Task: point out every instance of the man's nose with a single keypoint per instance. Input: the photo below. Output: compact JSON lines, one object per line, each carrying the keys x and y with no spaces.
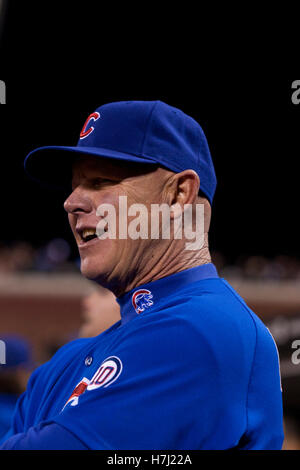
{"x":77,"y":203}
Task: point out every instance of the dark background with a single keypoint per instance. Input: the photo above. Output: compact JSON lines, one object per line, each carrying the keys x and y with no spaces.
{"x":56,"y":77}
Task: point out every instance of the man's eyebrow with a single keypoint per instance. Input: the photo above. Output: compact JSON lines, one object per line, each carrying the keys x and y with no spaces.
{"x":103,"y":177}
{"x":76,"y":179}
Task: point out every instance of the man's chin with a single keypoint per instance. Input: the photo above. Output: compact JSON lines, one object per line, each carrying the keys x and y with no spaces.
{"x":92,"y":272}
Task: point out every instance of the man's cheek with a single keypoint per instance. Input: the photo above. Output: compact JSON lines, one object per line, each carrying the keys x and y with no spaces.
{"x":108,"y":211}
{"x":109,"y":197}
{"x":135,"y":194}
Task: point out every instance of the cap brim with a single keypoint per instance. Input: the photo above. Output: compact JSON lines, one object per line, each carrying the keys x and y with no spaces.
{"x":52,"y":165}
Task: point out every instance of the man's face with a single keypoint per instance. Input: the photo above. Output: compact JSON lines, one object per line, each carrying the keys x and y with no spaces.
{"x":98,"y":181}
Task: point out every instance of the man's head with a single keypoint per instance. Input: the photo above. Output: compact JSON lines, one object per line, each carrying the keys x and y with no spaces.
{"x":136,"y":155}
{"x":100,"y":182}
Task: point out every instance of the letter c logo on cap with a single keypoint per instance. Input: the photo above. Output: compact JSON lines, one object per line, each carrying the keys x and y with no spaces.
{"x":88,"y":130}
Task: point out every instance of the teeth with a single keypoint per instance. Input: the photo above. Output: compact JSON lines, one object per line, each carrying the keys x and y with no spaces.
{"x":88,"y":232}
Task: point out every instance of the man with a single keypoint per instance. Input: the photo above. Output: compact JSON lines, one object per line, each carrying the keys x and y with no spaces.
{"x":189,"y":365}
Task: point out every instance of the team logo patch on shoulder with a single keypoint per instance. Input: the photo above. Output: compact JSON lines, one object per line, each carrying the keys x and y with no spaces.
{"x":107,"y":373}
{"x":141,"y":299}
{"x":78,"y":390}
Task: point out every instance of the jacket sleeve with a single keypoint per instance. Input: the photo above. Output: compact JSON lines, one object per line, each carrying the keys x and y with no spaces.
{"x":45,"y":436}
{"x":164,"y":397}
{"x":169,"y":394}
{"x":18,"y":422}
{"x":264,"y":401}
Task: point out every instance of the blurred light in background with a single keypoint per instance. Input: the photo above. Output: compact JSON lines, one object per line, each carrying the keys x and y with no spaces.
{"x":53,"y":256}
{"x":21,"y":256}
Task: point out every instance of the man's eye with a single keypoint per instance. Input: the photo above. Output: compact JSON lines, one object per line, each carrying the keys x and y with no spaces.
{"x":97,"y":182}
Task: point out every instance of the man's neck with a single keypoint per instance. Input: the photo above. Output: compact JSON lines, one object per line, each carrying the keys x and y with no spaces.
{"x":170,"y":262}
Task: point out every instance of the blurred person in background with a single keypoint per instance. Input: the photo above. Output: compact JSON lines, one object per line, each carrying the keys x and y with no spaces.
{"x":100,"y":310}
{"x":14,"y":375}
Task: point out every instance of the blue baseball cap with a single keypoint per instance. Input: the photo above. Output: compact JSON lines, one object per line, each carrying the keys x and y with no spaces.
{"x":150,"y":132}
{"x":17,"y":353}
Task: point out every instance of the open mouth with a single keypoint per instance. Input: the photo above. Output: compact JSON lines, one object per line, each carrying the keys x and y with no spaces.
{"x":88,"y":235}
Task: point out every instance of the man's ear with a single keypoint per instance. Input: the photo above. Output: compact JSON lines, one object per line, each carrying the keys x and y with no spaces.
{"x":185,"y":187}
